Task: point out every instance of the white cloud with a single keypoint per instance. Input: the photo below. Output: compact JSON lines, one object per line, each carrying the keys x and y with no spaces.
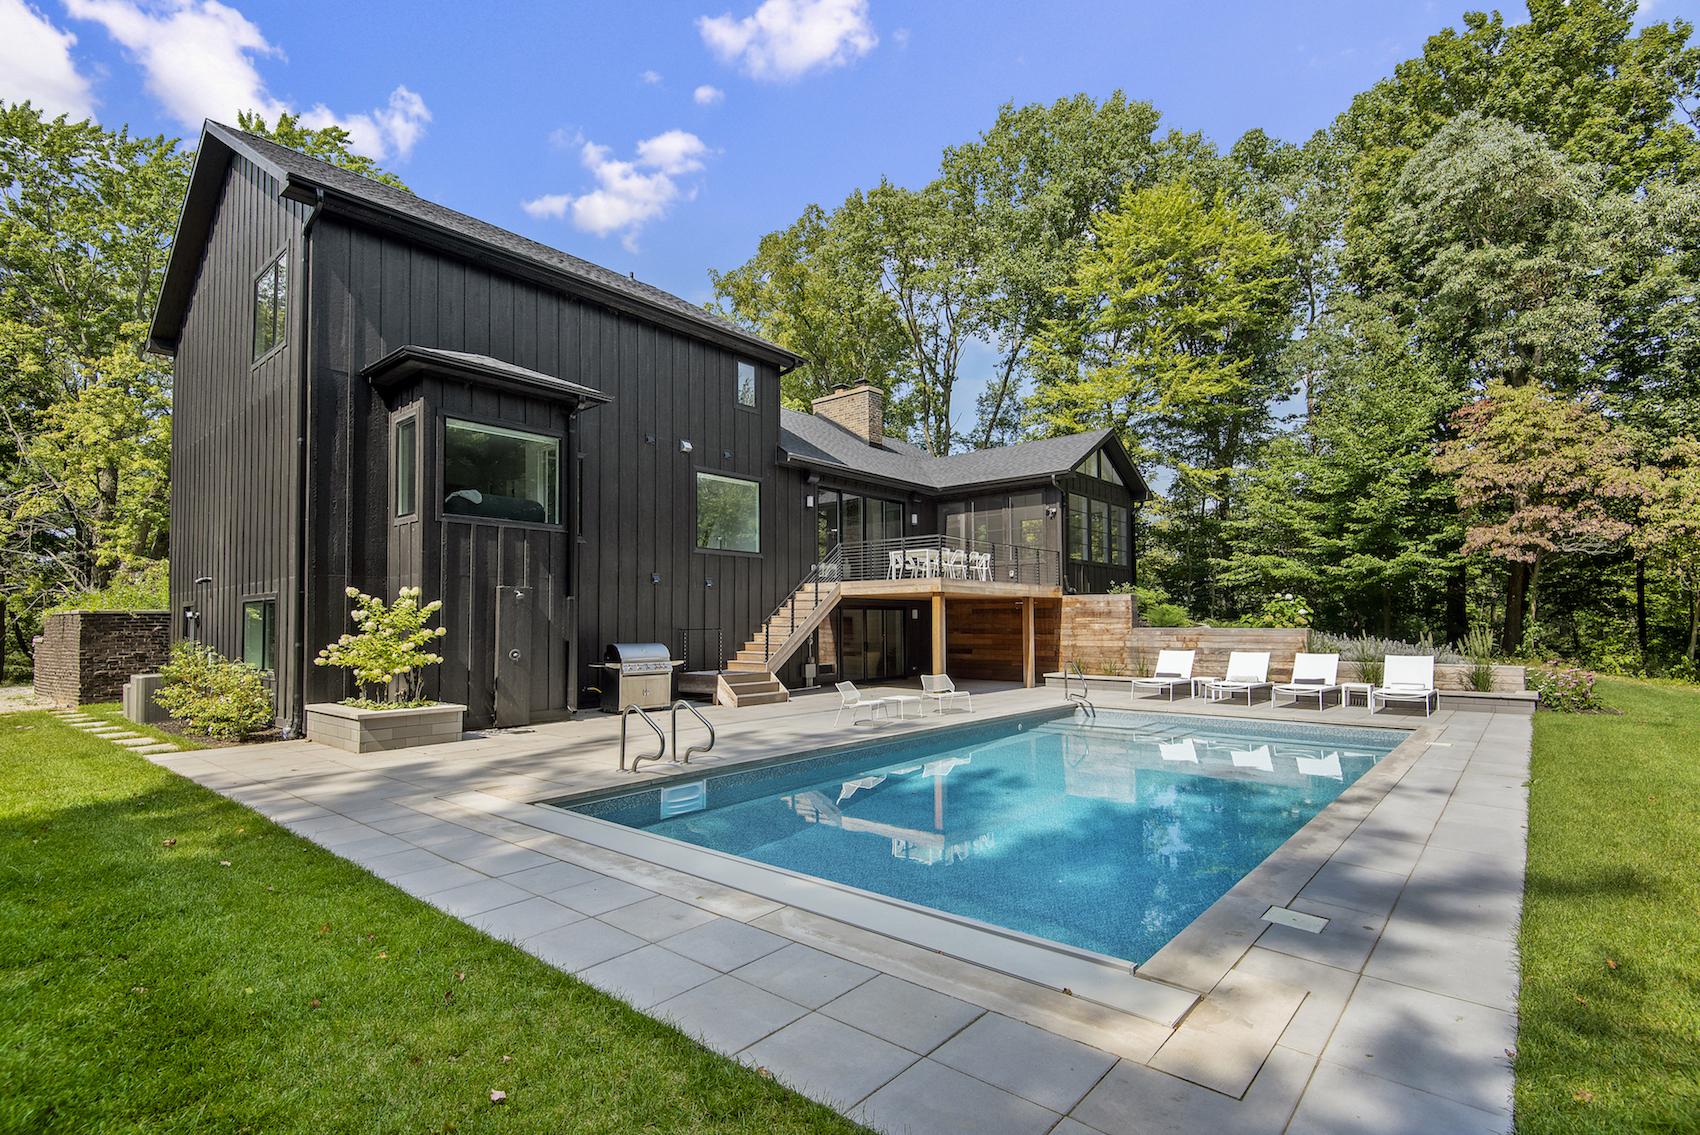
{"x":707,"y":95}
{"x":901,"y":38}
{"x":629,"y":193}
{"x":36,"y":64}
{"x":651,"y":77}
{"x":784,"y":39}
{"x":198,"y":59}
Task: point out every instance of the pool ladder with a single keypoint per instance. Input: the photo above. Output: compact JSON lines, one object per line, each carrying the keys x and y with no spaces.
{"x":661,"y":738}
{"x":1082,"y":697}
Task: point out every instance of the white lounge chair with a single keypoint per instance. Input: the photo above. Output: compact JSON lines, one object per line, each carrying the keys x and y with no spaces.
{"x":852,"y":699}
{"x":943,"y":691}
{"x":1406,"y":677}
{"x":1257,"y":758}
{"x":1174,"y":668}
{"x":1178,"y":751}
{"x":1312,"y":674}
{"x":1248,"y":672}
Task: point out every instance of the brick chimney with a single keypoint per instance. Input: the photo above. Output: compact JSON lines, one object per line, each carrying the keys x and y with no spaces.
{"x":859,"y":409}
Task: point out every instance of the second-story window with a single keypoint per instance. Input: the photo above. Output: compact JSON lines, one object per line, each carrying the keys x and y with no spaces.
{"x":271,"y":306}
{"x":746,"y":384}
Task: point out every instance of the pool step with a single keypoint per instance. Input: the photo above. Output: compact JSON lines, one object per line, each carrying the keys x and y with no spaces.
{"x":750,"y":687}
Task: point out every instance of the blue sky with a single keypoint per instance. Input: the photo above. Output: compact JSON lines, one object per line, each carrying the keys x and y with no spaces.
{"x":666,"y":138}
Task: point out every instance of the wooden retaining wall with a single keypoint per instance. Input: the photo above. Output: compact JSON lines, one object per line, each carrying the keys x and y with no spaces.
{"x":1214,"y":644}
{"x":1097,"y":632}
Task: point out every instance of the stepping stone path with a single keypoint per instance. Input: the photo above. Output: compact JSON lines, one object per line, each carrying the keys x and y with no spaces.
{"x":117,"y":734}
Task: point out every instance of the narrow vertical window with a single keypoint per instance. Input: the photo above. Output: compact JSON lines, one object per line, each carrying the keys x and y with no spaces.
{"x":406,"y":465}
{"x":746,"y":384}
{"x":271,"y":305}
{"x":1118,"y":536}
{"x":1076,"y":526}
{"x":259,"y":633}
{"x":1100,"y":532}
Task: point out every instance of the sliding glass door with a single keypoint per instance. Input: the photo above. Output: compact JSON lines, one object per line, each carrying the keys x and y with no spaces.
{"x":873,"y":643}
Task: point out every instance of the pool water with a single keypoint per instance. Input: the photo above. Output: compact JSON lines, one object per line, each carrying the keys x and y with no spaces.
{"x":1108,"y":834}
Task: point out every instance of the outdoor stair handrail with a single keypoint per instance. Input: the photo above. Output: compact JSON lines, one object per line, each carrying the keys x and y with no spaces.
{"x":660,"y":737}
{"x":706,"y":724}
{"x":829,"y":570}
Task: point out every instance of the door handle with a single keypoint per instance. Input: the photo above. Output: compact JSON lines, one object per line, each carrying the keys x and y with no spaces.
{"x":514,"y":655}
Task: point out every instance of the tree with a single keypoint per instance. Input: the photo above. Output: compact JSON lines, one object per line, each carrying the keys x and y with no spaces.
{"x":330,"y":144}
{"x":1536,"y":476}
{"x":1669,"y":529}
{"x":1176,"y":310}
{"x":86,"y":218}
{"x":814,"y":288}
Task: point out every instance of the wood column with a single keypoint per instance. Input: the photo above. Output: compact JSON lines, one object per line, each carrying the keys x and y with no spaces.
{"x":938,"y":632}
{"x":1029,"y":664}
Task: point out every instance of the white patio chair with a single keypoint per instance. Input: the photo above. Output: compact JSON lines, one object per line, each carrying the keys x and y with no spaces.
{"x":955,"y":564}
{"x":1406,"y":677}
{"x":894,"y":565}
{"x":1312,"y":674}
{"x":852,"y":699}
{"x":942,"y":691}
{"x":1173,"y":669}
{"x":983,"y":566}
{"x":1248,"y":672}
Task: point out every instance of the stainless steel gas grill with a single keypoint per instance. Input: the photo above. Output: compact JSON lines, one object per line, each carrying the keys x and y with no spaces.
{"x":640,"y":674}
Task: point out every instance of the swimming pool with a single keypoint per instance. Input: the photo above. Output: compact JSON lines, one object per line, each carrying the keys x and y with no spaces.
{"x":1108,"y":834}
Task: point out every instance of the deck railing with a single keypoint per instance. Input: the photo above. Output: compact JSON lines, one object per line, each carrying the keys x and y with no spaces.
{"x":945,"y":557}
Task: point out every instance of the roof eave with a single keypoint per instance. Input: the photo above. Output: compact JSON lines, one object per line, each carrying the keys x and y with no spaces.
{"x":406,"y":361}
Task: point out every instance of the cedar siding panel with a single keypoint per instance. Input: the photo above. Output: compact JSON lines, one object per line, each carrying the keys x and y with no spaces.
{"x":234,"y":488}
{"x":374,"y":294}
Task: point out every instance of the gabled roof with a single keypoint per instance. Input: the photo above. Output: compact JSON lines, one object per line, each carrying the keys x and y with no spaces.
{"x":825,"y":445}
{"x":302,"y":178}
{"x":403,"y":362}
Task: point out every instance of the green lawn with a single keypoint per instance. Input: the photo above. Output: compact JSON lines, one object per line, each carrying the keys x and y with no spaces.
{"x":246,"y":980}
{"x":1610,"y":1038}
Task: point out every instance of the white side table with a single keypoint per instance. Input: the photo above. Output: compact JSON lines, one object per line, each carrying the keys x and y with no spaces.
{"x":903,"y":701}
{"x":1201,"y":684}
{"x":1346,"y":689}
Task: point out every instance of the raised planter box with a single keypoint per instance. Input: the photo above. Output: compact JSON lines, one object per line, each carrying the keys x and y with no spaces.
{"x":375,"y":730}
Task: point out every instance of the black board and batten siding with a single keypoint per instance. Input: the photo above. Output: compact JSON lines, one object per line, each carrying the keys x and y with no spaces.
{"x":234,"y":489}
{"x":374,"y":293}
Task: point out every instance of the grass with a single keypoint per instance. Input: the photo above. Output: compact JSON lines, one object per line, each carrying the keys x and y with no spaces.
{"x":112,"y":713}
{"x":246,"y":980}
{"x":1610,"y":1014}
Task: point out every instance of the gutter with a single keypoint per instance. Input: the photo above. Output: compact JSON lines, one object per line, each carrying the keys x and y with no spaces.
{"x":303,"y":455}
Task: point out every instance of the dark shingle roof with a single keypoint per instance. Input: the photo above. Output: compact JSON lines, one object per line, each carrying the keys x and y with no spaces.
{"x":403,"y":360}
{"x":824,"y":444}
{"x":295,"y":168}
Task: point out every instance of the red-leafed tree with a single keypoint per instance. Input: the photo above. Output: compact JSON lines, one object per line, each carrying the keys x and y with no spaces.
{"x":1537,"y":475}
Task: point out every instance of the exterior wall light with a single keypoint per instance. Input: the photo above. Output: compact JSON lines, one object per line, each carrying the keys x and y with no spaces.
{"x":685,"y":445}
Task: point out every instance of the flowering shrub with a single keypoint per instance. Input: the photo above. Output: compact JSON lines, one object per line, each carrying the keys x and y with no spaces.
{"x":1565,"y":689}
{"x":213,"y":695}
{"x":389,"y":649}
{"x":1286,"y":610}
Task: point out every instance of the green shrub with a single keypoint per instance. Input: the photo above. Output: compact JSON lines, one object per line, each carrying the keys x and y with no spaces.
{"x":213,"y":695}
{"x":389,"y":651}
{"x":146,"y":588}
{"x":1285,"y":610}
{"x":1564,"y":689}
{"x":1478,"y":647}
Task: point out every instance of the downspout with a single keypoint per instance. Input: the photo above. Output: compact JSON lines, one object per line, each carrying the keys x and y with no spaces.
{"x":303,"y":454}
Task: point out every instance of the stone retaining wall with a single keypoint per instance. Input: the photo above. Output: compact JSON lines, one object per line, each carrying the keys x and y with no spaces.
{"x":88,"y":656}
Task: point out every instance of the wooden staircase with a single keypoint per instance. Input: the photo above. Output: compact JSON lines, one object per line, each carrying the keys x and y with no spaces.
{"x":749,"y":675}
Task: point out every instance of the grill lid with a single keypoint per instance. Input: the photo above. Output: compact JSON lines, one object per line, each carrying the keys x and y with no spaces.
{"x":627,"y":653}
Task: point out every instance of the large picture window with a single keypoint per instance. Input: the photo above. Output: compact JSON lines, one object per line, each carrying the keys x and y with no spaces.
{"x":500,"y":474}
{"x":271,"y":306}
{"x":728,"y":513}
{"x":1076,"y":526}
{"x":259,"y":633}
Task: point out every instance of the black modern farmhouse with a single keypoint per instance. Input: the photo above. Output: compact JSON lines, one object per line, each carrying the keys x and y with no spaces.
{"x":376,"y":391}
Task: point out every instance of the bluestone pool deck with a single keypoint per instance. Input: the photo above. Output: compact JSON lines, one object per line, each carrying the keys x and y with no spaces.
{"x":1395,"y":1016}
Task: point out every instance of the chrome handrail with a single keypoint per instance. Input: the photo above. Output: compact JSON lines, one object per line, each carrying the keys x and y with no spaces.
{"x":660,"y":737}
{"x":1084,"y":697}
{"x":706,"y":724}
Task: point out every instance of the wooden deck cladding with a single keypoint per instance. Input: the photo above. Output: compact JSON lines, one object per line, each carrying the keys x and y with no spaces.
{"x":995,"y":638}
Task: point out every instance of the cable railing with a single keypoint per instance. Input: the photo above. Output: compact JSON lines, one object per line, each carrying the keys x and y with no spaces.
{"x":951,"y":558}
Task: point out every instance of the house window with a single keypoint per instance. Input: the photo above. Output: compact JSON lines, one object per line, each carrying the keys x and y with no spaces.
{"x":1076,"y":526}
{"x":271,"y":305}
{"x":1100,"y":532}
{"x":1118,"y":537}
{"x":746,"y":384}
{"x":500,"y":474}
{"x":406,"y":466}
{"x":259,"y":633}
{"x":728,"y":513}
{"x":1099,"y":468}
